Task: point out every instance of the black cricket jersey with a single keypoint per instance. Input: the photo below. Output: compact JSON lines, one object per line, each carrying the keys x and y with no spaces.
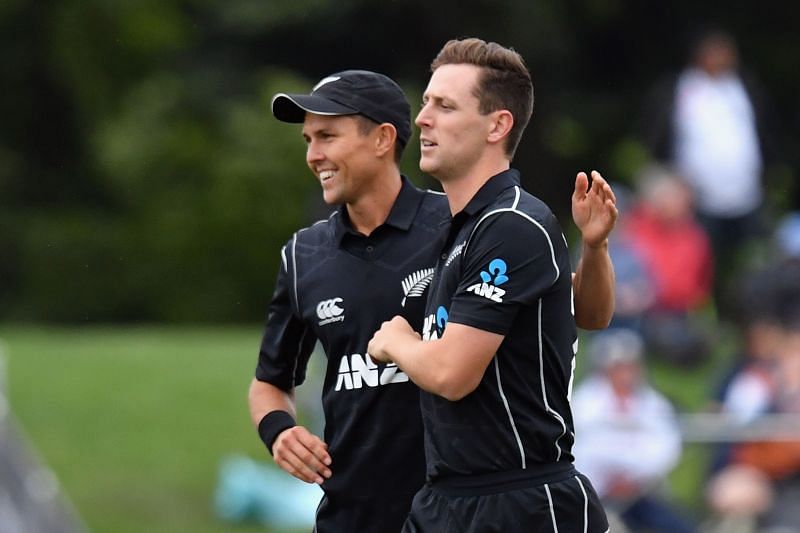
{"x":506,"y":270}
{"x":338,"y":286}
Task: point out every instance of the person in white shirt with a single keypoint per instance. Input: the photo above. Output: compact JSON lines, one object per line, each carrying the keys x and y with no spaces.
{"x":626,"y":435}
{"x":712,"y":123}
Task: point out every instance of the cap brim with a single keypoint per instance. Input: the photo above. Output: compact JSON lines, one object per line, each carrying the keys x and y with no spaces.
{"x":293,"y":107}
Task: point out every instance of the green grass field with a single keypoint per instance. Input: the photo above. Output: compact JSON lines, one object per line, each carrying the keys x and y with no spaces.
{"x":134,"y":421}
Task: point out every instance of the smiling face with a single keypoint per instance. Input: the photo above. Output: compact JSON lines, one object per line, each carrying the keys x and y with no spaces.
{"x":453,"y":132}
{"x":341,"y":155}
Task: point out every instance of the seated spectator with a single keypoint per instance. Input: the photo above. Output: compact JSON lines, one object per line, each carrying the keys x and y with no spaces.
{"x":676,"y":252}
{"x":762,"y":478}
{"x":627,"y":439}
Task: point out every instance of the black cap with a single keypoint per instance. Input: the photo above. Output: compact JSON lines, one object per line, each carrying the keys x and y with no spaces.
{"x":350,"y":92}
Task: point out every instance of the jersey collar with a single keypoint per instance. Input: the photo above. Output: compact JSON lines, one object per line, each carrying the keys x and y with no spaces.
{"x":490,"y":190}
{"x":401,"y":216}
{"x":405,"y":207}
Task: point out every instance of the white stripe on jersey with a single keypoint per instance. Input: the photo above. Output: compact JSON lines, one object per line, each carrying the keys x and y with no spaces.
{"x":552,"y":511}
{"x":294,"y":254}
{"x":585,"y":505}
{"x":508,"y":411}
{"x":296,"y":300}
{"x":513,"y":209}
{"x":547,"y":407}
{"x":294,"y":269}
{"x":550,"y":410}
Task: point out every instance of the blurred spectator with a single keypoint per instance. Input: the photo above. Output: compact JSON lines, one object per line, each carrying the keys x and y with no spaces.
{"x":747,"y":386}
{"x":627,"y":439}
{"x":765,"y":302}
{"x":710,"y":121}
{"x":635,"y":290}
{"x":787,"y":237}
{"x":762,"y":302}
{"x":762,"y":478}
{"x":661,"y":229}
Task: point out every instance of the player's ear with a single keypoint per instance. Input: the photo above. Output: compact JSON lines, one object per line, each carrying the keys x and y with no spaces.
{"x":385,"y":137}
{"x":500,"y":125}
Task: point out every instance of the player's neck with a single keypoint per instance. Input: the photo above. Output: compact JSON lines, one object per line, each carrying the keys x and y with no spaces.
{"x":461,"y":189}
{"x":371,"y":208}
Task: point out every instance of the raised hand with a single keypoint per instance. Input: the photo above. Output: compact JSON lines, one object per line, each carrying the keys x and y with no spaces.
{"x":594,"y":208}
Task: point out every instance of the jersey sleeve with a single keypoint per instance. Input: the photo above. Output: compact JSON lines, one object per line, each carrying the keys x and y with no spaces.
{"x":511,"y":261}
{"x":288,"y":341}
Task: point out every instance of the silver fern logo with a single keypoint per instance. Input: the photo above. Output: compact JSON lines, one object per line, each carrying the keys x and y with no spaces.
{"x":415,"y":284}
{"x":455,"y":253}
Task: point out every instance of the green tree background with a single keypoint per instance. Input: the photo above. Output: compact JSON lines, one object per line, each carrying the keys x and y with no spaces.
{"x":142,"y":177}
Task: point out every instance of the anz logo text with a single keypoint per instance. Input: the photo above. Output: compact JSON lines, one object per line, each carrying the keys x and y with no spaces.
{"x":357,"y":371}
{"x":488,"y":288}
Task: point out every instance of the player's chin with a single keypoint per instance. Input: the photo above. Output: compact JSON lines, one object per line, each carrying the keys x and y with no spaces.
{"x":331,"y":197}
{"x":427,"y":165}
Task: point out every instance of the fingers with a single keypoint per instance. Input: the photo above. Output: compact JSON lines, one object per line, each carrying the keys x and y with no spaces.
{"x":612,"y":209}
{"x":400,"y":325}
{"x":398,"y":321}
{"x":389,"y":331}
{"x":303,"y":455}
{"x":601,"y":187}
{"x":375,"y":347}
{"x":581,"y":185}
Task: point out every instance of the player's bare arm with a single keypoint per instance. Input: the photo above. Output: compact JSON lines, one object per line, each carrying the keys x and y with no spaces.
{"x":595,"y":214}
{"x":451,"y":366}
{"x":296,"y":450}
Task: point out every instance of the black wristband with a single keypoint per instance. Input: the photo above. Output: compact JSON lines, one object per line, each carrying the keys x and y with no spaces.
{"x":272,"y":425}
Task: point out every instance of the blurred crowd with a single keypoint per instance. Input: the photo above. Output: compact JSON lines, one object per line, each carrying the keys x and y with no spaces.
{"x":708,"y":276}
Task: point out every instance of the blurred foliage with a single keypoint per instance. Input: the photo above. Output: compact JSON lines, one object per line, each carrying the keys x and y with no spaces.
{"x":142,"y":176}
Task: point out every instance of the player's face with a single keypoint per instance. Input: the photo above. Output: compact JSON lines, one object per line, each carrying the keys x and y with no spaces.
{"x":339,"y":155}
{"x":452,"y":130}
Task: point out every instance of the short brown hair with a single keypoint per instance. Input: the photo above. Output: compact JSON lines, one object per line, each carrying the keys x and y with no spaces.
{"x":504,"y":83}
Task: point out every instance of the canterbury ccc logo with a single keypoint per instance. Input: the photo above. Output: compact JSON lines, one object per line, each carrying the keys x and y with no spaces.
{"x":329,"y":311}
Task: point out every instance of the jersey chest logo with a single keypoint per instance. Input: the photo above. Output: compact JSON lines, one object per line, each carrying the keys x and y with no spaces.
{"x":454,"y":253}
{"x":415,"y":284}
{"x":433,"y":327}
{"x":329,"y":311}
{"x":357,"y":371}
{"x":488,"y":287}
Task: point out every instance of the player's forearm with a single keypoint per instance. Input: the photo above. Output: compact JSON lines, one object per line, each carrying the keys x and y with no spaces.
{"x":594,"y":286}
{"x":264,"y":398}
{"x":419,"y":360}
{"x":451,"y":366}
{"x":433,"y":367}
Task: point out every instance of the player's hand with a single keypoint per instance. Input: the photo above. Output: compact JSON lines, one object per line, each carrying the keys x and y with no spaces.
{"x":395,"y":330}
{"x":594,"y":208}
{"x":302,"y":454}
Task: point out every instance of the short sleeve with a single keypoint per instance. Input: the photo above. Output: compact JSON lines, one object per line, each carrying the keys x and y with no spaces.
{"x":511,"y":261}
{"x":288,"y":341}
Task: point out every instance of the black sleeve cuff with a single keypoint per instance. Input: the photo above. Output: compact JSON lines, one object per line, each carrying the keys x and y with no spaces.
{"x":272,"y":425}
